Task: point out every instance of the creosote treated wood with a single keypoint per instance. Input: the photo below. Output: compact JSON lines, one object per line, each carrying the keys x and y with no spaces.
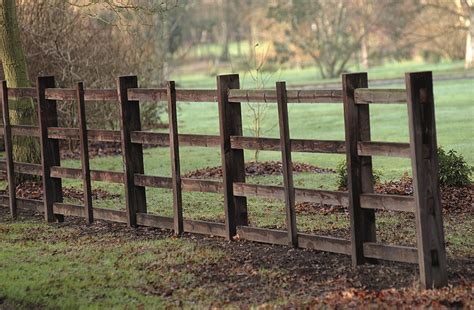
{"x":8,"y":143}
{"x":132,"y":153}
{"x":233,"y":166}
{"x":430,"y":252}
{"x":84,"y":146}
{"x":48,"y":117}
{"x":287,"y":164}
{"x":174,"y":154}
{"x":402,"y":254}
{"x":425,"y":167}
{"x":359,"y":168}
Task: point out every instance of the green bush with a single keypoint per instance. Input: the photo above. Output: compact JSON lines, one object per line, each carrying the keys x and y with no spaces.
{"x":453,"y":169}
{"x":341,"y":171}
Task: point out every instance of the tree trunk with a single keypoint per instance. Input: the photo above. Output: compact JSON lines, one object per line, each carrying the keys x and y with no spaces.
{"x":469,"y":59}
{"x":25,"y":149}
{"x":364,"y":53}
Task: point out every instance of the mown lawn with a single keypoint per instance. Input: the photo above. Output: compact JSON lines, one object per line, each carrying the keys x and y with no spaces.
{"x":106,"y":265}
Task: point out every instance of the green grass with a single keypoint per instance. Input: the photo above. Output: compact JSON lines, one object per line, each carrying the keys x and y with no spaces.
{"x":455,"y":125}
{"x":311,"y":75}
{"x":44,"y":265}
{"x":52,"y":267}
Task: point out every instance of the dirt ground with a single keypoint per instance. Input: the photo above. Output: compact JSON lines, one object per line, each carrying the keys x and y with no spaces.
{"x":302,"y":277}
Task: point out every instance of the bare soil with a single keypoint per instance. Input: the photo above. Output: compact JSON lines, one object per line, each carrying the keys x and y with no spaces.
{"x":307,"y":277}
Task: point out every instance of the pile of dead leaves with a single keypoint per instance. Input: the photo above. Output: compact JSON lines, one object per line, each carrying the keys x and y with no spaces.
{"x":257,"y":168}
{"x":34,"y":190}
{"x":457,"y":297}
{"x":454,"y":200}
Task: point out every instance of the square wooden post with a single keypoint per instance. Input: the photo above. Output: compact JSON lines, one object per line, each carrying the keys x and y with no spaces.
{"x":359,"y":168}
{"x":425,"y":167}
{"x":174,"y":153}
{"x":132,"y":153}
{"x":286,"y":162}
{"x":7,"y":132}
{"x":50,"y":156}
{"x":84,"y":144}
{"x":233,"y":166}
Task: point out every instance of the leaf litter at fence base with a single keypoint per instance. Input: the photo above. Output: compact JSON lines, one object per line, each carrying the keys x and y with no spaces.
{"x":454,"y":200}
{"x":34,"y":190}
{"x":249,"y":273}
{"x":257,"y":168}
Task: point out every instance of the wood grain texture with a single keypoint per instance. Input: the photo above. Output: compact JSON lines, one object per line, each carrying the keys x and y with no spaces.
{"x":7,"y":139}
{"x":233,"y":167}
{"x":368,"y":96}
{"x":132,"y":153}
{"x":48,"y":117}
{"x":287,"y":164}
{"x":359,"y":168}
{"x":84,"y":147}
{"x":425,"y":167}
{"x":174,"y":154}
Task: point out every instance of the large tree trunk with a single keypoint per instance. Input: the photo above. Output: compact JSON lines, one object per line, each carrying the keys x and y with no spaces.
{"x":469,"y":59}
{"x":12,"y":56}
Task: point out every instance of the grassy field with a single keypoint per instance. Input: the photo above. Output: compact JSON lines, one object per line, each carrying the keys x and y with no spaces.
{"x":73,"y":266}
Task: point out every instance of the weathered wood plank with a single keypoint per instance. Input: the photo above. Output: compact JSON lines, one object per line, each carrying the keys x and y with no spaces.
{"x":99,"y":213}
{"x":153,"y":220}
{"x":182,"y":95}
{"x":233,"y":167}
{"x":203,"y":186}
{"x":132,"y":153}
{"x":387,"y":202}
{"x":153,"y":181}
{"x":205,"y":228}
{"x":263,"y":235}
{"x":96,"y":175}
{"x":324,"y":243}
{"x":84,"y":146}
{"x":297,"y":145}
{"x":287,"y":164}
{"x":367,"y":96}
{"x":359,"y":168}
{"x":23,"y":203}
{"x":7,"y":139}
{"x":397,"y":253}
{"x":22,"y":130}
{"x":393,"y":149}
{"x":48,"y":117}
{"x":174,"y":154}
{"x":89,"y":94}
{"x":25,"y":168}
{"x":425,"y":167}
{"x":294,"y":96}
{"x":22,"y":92}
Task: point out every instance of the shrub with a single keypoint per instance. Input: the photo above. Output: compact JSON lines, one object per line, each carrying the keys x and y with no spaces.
{"x":453,"y":169}
{"x":341,"y":171}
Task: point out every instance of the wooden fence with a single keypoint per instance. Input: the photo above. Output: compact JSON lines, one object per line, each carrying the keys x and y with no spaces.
{"x":362,"y":202}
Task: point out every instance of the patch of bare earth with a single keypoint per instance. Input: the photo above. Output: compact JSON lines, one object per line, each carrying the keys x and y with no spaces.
{"x":255,"y":274}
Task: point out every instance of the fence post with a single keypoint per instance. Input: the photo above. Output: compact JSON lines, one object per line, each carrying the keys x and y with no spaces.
{"x":83,"y":141}
{"x":174,"y":153}
{"x":233,"y":166}
{"x":359,"y":168}
{"x":7,"y":132}
{"x":132,"y":153}
{"x":286,"y":162}
{"x":425,"y":167}
{"x":50,"y":156}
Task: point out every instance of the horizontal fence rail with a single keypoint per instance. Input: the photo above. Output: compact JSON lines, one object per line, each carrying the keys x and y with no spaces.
{"x":360,"y":198}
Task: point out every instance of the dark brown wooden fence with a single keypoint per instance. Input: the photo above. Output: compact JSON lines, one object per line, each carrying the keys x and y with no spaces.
{"x":360,"y":199}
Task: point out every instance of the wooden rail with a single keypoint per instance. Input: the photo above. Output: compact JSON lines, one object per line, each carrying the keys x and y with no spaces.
{"x":360,"y":199}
